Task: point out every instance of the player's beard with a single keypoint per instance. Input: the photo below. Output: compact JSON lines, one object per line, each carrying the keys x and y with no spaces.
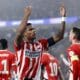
{"x":33,"y":39}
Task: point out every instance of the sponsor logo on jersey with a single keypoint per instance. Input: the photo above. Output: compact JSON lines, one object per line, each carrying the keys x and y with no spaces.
{"x":32,"y":54}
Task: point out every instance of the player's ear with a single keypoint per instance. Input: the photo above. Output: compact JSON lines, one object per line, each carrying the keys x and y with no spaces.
{"x":74,"y":36}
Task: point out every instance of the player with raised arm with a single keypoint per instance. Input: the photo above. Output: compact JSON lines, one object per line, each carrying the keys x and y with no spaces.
{"x":28,"y":50}
{"x":7,"y":62}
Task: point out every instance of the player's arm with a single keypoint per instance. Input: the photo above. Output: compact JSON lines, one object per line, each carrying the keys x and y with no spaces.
{"x":60,"y":74}
{"x":57,"y":37}
{"x":66,"y":62}
{"x":22,"y":26}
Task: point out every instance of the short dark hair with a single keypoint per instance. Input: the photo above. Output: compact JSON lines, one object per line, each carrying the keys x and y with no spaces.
{"x":26,"y":27}
{"x":76,"y":31}
{"x":27,"y":24}
{"x":3,"y":43}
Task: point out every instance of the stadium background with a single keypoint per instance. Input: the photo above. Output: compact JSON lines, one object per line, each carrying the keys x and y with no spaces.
{"x":11,"y":10}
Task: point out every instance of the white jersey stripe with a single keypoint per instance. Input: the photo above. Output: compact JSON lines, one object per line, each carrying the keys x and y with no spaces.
{"x":30,"y":65}
{"x":18,"y":55}
{"x":30,"y":75}
{"x":23,"y":61}
{"x":38,"y":71}
{"x":37,"y":59}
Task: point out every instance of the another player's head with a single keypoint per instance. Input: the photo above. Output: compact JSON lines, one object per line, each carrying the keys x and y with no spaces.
{"x":29,"y":32}
{"x":74,"y":34}
{"x":3,"y":44}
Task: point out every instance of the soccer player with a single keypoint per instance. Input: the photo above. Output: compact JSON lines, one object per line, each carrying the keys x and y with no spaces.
{"x":29,"y":50}
{"x":50,"y":67}
{"x":74,"y":54}
{"x":7,"y":62}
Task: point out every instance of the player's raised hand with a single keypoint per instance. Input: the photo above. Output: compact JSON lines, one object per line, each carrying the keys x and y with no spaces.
{"x":27,"y":10}
{"x":62,"y":11}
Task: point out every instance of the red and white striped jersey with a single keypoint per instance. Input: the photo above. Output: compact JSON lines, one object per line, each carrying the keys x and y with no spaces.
{"x":29,"y":58}
{"x":50,"y":65}
{"x":7,"y":64}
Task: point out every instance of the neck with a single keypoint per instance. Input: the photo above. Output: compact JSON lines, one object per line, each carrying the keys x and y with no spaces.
{"x":45,"y":51}
{"x":75,"y":41}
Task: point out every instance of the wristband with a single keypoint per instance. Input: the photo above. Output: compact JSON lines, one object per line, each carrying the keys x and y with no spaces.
{"x":63,"y":19}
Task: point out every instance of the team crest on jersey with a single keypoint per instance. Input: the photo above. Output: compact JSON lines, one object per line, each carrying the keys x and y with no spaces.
{"x":32,"y":54}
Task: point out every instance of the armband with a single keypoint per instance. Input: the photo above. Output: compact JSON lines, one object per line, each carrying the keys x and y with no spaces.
{"x":75,"y":57}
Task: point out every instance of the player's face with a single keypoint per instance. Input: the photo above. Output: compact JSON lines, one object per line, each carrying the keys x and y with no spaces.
{"x":71,"y":35}
{"x":30,"y":33}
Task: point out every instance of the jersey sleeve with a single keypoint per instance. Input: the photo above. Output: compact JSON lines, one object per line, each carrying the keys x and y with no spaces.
{"x":44,"y":43}
{"x":47,"y":42}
